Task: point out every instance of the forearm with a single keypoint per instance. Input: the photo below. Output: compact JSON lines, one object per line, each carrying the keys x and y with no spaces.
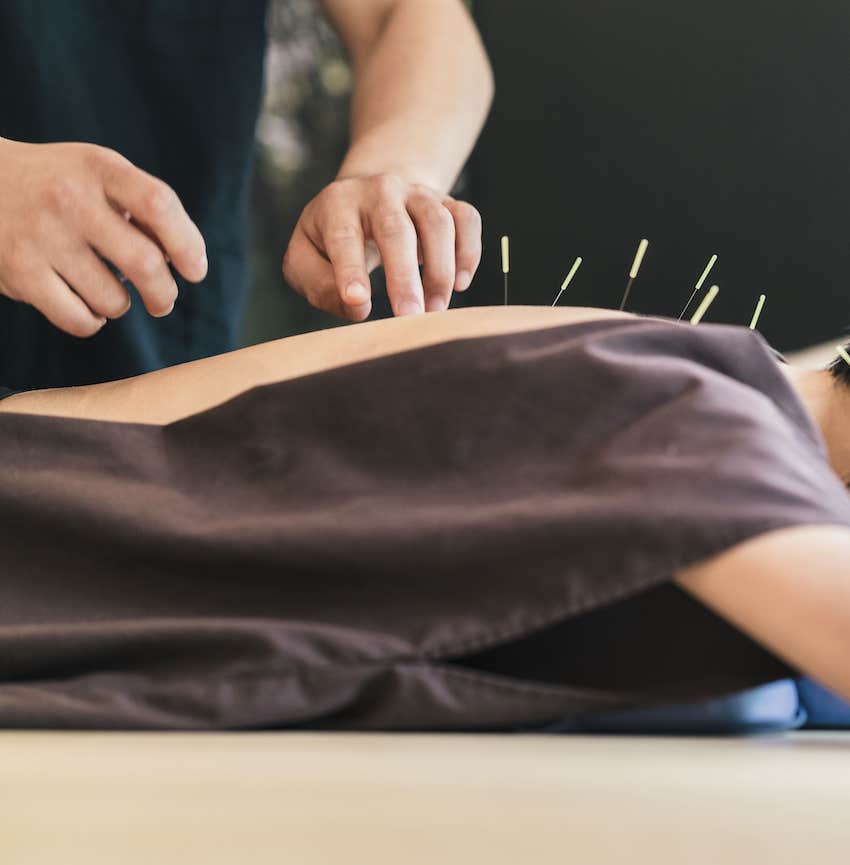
{"x":422,"y":91}
{"x":789,"y":591}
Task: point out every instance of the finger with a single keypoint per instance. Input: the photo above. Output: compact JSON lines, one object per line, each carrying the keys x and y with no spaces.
{"x":435,"y":229}
{"x":145,"y":229}
{"x":309,"y":273}
{"x":345,"y":245}
{"x":393,"y":231}
{"x":93,"y":282}
{"x":136,"y":256}
{"x":155,"y":205}
{"x":467,"y":241}
{"x":53,"y":297}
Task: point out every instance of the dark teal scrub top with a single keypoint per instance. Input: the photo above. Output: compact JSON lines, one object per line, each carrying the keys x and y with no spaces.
{"x":175,"y":86}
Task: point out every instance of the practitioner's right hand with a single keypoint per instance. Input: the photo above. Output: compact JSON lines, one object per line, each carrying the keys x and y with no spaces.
{"x":64,"y":208}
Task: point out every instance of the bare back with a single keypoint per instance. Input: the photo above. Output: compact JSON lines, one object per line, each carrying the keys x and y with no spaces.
{"x":169,"y":394}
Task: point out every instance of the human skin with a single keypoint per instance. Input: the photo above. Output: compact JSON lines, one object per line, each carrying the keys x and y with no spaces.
{"x":787,"y":589}
{"x":170,"y":394}
{"x":63,"y":207}
{"x":422,"y":90}
{"x":418,"y":67}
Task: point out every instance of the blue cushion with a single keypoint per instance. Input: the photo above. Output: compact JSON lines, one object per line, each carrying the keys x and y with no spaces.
{"x":770,"y":707}
{"x":823,"y":708}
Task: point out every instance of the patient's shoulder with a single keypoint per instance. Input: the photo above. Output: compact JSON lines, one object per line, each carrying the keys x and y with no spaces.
{"x":797,"y":553}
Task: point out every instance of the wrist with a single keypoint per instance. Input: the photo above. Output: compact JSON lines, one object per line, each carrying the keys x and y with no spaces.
{"x":354,"y":167}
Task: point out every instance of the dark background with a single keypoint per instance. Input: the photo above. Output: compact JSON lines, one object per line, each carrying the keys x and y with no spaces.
{"x":707,"y":127}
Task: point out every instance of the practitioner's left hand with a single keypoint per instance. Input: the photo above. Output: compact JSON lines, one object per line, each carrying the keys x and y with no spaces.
{"x":357,"y":223}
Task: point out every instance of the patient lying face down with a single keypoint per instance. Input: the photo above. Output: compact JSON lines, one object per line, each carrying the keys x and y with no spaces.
{"x":331,"y":529}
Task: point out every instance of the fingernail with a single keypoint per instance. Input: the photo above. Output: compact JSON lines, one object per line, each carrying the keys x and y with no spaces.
{"x":356,"y":293}
{"x":202,"y":264}
{"x":463,"y":280}
{"x":409,"y":307}
{"x":435,"y":303}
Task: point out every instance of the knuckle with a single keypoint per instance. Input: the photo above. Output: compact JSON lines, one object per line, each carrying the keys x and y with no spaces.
{"x":335,"y":191}
{"x":436,"y":216}
{"x":392,"y":223}
{"x":146,"y":265}
{"x":470,"y":217}
{"x":344,"y":233}
{"x":62,"y":194}
{"x":387,"y":185}
{"x":160,"y":200}
{"x":100,"y":158}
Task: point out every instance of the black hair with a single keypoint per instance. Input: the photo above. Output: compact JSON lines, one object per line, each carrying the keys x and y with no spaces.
{"x":839,"y":369}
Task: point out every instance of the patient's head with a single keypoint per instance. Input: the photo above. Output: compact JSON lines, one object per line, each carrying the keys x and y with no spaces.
{"x":837,"y":416}
{"x":839,"y":369}
{"x":826,"y":394}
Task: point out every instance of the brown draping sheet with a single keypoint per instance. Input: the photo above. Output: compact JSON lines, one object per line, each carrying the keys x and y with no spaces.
{"x":337,"y":550}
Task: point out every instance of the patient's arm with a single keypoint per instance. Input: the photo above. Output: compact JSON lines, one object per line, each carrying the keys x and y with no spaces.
{"x":169,"y":394}
{"x":790,"y":591}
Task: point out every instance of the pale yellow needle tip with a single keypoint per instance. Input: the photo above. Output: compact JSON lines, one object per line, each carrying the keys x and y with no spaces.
{"x":571,"y":274}
{"x":641,"y":252}
{"x":842,"y":353}
{"x":757,"y":313}
{"x":711,"y":262}
{"x":702,"y":309}
{"x":569,"y":279}
{"x":506,"y":255}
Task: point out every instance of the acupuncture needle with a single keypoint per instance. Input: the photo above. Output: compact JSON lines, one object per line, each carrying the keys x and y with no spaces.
{"x":700,"y":282}
{"x":506,"y":263}
{"x":757,"y":313}
{"x":569,"y":279}
{"x":641,"y":252}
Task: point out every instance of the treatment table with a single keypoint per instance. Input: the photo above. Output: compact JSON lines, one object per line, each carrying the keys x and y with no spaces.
{"x":340,"y":799}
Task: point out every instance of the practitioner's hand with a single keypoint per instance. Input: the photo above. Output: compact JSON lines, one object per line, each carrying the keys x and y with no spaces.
{"x":359,"y":222}
{"x":64,"y":208}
